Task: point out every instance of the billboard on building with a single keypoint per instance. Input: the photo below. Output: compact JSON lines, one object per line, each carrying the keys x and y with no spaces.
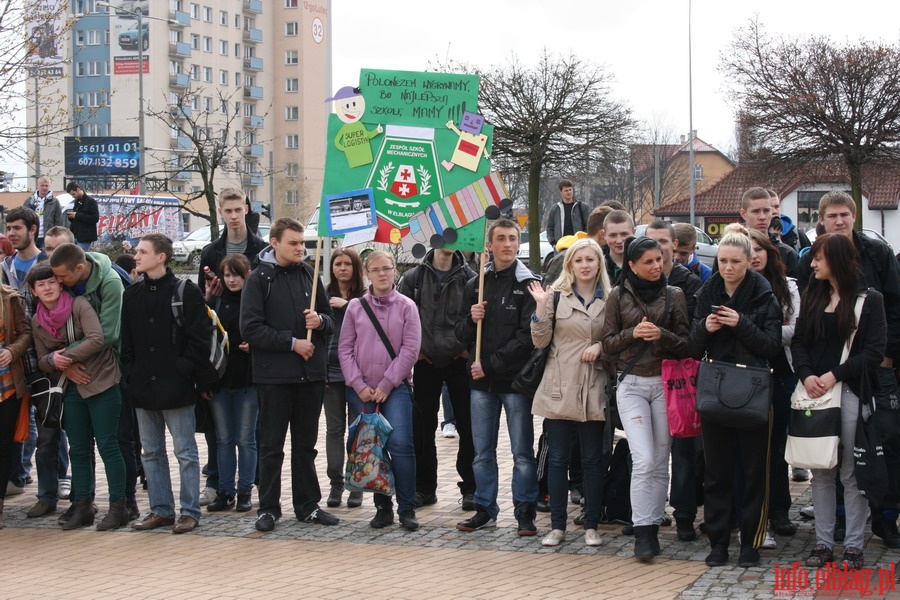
{"x":127,"y":218}
{"x":102,"y":156}
{"x":129,"y":36}
{"x":44,"y":26}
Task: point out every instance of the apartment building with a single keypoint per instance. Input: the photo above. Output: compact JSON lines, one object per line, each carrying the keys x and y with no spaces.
{"x":246,"y":78}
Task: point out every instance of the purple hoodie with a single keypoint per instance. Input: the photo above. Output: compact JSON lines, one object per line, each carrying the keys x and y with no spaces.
{"x":364,"y":359}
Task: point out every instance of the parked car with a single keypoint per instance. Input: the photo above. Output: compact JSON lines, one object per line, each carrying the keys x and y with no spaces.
{"x":129,"y":39}
{"x":870,"y":233}
{"x":706,"y":247}
{"x":525,"y":247}
{"x":188,"y":248}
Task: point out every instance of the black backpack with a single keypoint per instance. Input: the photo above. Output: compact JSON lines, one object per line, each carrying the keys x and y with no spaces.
{"x":617,"y":486}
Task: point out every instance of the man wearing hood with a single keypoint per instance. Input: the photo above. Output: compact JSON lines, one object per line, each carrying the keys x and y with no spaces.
{"x":437,"y":287}
{"x":790,"y":235}
{"x":289,"y":370}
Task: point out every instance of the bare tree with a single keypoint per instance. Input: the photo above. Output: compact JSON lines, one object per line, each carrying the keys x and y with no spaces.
{"x":556,"y":116}
{"x":209,"y":142}
{"x":815,"y":99}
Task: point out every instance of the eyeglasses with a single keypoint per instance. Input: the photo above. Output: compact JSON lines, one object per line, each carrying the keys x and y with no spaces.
{"x":381,"y":270}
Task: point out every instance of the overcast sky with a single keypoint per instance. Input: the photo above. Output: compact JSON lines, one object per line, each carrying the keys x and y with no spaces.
{"x":644,"y":43}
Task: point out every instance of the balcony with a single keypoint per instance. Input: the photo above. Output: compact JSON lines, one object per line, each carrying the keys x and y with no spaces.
{"x":253,"y":36}
{"x":254,"y":150}
{"x":181,"y":143}
{"x":180,"y":80}
{"x":253,"y":63}
{"x":254,"y":121}
{"x":183,"y":18}
{"x":253,"y":6}
{"x":183,"y":175}
{"x":180,"y":111}
{"x":254,"y":179}
{"x":253,"y":92}
{"x":180,"y":49}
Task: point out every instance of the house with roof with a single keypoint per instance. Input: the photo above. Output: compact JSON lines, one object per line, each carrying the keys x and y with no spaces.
{"x":800,"y":189}
{"x":661,"y":175}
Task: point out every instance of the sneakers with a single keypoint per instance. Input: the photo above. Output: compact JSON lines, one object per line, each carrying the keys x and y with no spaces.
{"x":749,"y":557}
{"x":807,"y":512}
{"x":782,"y":525}
{"x":354,"y":500}
{"x":64,"y":489}
{"x":800,"y":474}
{"x":334,"y":496}
{"x":383,"y":517}
{"x":718,"y":557}
{"x":425,"y":499}
{"x":820,"y":556}
{"x":768,"y":543}
{"x":40,"y":509}
{"x":243,"y":503}
{"x":408,"y":520}
{"x":321,"y":517}
{"x":265,"y":522}
{"x":592,"y":538}
{"x":468,"y":502}
{"x":222,"y":502}
{"x":525,"y":520}
{"x":854,"y":558}
{"x":207,"y":495}
{"x":14,"y":490}
{"x":553,"y":538}
{"x":685,"y":530}
{"x":449,"y":430}
{"x":480,"y":520}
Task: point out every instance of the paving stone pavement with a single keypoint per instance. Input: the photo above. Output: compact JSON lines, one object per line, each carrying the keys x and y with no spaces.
{"x":606,"y":571}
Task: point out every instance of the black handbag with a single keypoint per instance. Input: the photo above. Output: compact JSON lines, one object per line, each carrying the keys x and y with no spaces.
{"x":870,"y":466}
{"x":529,"y":376}
{"x":47,"y":395}
{"x":734,"y":395}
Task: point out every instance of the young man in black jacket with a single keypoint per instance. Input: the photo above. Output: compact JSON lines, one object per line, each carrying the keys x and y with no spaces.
{"x":162,"y":359}
{"x":289,"y":371}
{"x":83,"y":216}
{"x":506,"y":315}
{"x":437,"y":286}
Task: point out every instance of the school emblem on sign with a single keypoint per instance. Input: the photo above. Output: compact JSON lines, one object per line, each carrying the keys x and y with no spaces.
{"x":404,"y":184}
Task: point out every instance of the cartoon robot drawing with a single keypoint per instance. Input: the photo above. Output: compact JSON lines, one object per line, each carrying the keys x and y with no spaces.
{"x":353,"y":139}
{"x":471,"y":144}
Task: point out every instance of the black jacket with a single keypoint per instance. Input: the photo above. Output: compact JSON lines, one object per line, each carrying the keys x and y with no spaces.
{"x":881,"y":271}
{"x":214,"y":252}
{"x":237,"y":372}
{"x":160,"y":371}
{"x":272,"y":317}
{"x":865,"y":354}
{"x":441,"y":305}
{"x":506,"y":330}
{"x":757,"y":338}
{"x":84,"y":223}
{"x":682,"y":277}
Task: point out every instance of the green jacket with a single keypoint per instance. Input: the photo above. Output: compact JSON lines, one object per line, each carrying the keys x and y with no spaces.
{"x":103,"y":290}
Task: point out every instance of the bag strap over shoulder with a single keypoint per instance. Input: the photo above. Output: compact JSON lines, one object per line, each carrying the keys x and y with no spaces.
{"x":384,"y":338}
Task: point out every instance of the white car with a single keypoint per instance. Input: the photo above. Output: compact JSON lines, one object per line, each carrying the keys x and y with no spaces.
{"x":188,"y":248}
{"x":525,"y":248}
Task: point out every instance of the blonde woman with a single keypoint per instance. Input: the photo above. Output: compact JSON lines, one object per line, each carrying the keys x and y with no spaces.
{"x":570,"y":396}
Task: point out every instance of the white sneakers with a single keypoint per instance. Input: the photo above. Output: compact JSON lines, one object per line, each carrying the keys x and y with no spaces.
{"x":207,"y":496}
{"x":65,"y":489}
{"x":592,"y":538}
{"x":449,"y":430}
{"x":553,"y":538}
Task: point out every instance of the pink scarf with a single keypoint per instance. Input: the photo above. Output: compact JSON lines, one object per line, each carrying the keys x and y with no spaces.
{"x":54,"y":320}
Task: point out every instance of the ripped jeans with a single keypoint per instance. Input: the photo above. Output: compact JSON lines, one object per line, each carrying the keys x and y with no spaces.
{"x":642,"y":406}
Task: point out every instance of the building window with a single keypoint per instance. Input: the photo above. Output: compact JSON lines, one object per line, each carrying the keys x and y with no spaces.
{"x":195,"y":72}
{"x":292,"y":141}
{"x":237,"y":79}
{"x":195,"y":102}
{"x":207,"y":14}
{"x":291,"y":113}
{"x":95,"y":68}
{"x":207,"y":104}
{"x":291,"y":57}
{"x":207,"y":74}
{"x":223,"y":77}
{"x":237,"y":21}
{"x":292,"y":169}
{"x":195,"y":41}
{"x":223,"y":18}
{"x":195,"y":10}
{"x":292,"y":84}
{"x":290,"y":3}
{"x":237,"y":50}
{"x":223,"y":107}
{"x":291,"y":197}
{"x":291,"y":28}
{"x":698,"y":172}
{"x":207,"y":43}
{"x":223,"y":47}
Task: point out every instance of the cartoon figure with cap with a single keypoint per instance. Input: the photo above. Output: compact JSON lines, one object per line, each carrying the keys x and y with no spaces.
{"x":472,"y":143}
{"x":353,"y":137}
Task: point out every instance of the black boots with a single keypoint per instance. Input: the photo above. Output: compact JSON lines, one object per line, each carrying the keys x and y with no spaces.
{"x":82,"y":515}
{"x":646,"y":542}
{"x":117,"y":516}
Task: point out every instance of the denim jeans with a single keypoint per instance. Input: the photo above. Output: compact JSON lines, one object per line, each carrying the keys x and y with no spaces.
{"x":181,"y":424}
{"x":335,"y":427}
{"x":485,"y":429}
{"x":589,"y":434}
{"x":856,"y":506}
{"x":22,"y":453}
{"x":397,"y":409}
{"x":51,"y":457}
{"x":87,"y":419}
{"x":234,"y":412}
{"x":642,"y":406}
{"x":298,"y":406}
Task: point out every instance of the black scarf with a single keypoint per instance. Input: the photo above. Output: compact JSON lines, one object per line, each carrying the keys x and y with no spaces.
{"x":745,"y":297}
{"x":646,"y":290}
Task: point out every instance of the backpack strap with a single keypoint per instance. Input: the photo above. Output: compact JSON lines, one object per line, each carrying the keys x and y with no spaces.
{"x":178,"y":309}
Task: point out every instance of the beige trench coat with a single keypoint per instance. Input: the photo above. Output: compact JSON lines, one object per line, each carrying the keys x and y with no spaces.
{"x":570,"y":390}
